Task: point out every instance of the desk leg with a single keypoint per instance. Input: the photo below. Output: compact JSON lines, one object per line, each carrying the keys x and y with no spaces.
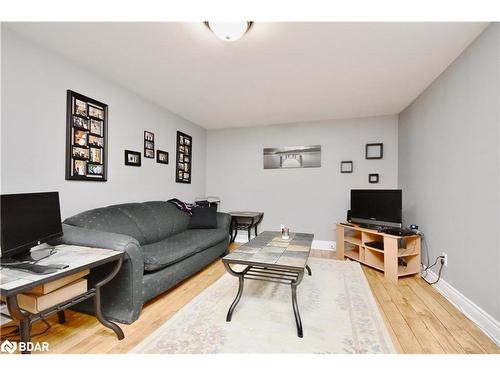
{"x":97,"y":302}
{"x":22,"y":318}
{"x":61,"y":317}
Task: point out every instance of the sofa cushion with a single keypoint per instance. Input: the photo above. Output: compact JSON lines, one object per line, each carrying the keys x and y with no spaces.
{"x":180,"y":246}
{"x":203,"y":218}
{"x":147,"y":222}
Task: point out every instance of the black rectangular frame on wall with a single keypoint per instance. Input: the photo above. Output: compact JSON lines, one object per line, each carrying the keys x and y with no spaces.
{"x":137,"y":154}
{"x":86,"y":138}
{"x":184,"y":158}
{"x":374,"y":146}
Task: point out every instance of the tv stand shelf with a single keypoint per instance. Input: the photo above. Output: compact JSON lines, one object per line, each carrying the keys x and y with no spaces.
{"x":397,"y":250}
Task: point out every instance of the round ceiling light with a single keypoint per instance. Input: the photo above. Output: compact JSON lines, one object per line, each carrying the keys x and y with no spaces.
{"x":229,"y":31}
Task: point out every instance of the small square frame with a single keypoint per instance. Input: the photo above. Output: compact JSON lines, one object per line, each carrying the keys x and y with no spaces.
{"x":346,"y":166}
{"x":158,"y":154}
{"x":373,"y":178}
{"x":374,"y":151}
{"x":133,"y":164}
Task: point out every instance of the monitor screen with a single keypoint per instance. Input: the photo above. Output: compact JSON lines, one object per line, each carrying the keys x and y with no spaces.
{"x":380,"y":207}
{"x":28,"y":220}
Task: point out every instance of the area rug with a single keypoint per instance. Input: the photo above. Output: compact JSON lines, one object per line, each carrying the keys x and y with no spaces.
{"x":338,"y":310}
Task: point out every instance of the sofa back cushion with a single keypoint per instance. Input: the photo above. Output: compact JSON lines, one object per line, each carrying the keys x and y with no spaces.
{"x":147,"y":222}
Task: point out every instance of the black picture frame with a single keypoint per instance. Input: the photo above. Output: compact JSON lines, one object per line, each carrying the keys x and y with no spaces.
{"x":373,"y":178}
{"x":184,"y":168}
{"x":128,"y":161}
{"x":79,"y":167}
{"x":346,"y":166}
{"x":149,"y":145}
{"x":159,"y":159}
{"x":374,"y":148}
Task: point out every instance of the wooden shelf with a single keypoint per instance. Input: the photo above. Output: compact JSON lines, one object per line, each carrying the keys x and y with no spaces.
{"x":353,"y":240}
{"x":407,"y":252}
{"x":350,"y":244}
{"x":405,"y":271}
{"x":352,"y":254}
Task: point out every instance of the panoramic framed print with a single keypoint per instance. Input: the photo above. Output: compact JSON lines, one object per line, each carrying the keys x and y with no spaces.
{"x":86,"y":138}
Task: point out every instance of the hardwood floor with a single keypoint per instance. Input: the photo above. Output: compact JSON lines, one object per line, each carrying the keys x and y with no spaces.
{"x":419,"y":319}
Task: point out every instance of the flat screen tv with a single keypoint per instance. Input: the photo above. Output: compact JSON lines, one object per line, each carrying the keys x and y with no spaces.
{"x":28,"y":220}
{"x":378,"y":208}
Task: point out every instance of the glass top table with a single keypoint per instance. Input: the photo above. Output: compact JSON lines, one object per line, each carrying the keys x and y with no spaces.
{"x":268,"y":257}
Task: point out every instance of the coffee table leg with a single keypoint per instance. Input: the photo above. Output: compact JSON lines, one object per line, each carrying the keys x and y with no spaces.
{"x":236,"y":300}
{"x":296,"y":311}
{"x":309,"y":270}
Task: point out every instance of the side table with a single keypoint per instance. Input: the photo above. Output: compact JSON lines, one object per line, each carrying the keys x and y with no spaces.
{"x":78,"y":258}
{"x":244,"y":220}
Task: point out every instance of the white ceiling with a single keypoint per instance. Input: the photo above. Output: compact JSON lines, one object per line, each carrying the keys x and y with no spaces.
{"x":277,"y":73}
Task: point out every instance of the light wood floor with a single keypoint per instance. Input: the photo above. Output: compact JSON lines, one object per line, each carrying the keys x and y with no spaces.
{"x":419,"y":319}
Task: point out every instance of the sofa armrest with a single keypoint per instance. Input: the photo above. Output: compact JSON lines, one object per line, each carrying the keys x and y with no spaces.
{"x":122,"y":296}
{"x":93,"y":238}
{"x":223,"y":221}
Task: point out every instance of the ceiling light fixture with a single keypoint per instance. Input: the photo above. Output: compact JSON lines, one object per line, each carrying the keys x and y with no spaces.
{"x":229,"y":31}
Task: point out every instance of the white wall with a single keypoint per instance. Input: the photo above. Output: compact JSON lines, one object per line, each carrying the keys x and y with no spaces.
{"x":449,"y":169}
{"x":308,"y":199}
{"x":34,"y":84}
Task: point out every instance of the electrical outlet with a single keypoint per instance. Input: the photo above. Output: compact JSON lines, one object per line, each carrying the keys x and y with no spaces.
{"x":445,"y":258}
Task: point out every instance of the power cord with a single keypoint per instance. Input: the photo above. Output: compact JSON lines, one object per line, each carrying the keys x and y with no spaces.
{"x":427,"y":267}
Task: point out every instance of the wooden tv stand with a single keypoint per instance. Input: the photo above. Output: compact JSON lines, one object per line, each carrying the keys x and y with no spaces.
{"x":351,"y":244}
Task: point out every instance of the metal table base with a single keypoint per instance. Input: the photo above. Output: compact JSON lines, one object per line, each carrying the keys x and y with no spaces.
{"x":274,"y":274}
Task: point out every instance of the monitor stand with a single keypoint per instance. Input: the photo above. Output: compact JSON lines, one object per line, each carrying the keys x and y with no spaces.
{"x":27,"y":262}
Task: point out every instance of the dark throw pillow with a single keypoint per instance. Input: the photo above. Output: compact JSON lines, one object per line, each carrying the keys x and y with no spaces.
{"x":203,"y":218}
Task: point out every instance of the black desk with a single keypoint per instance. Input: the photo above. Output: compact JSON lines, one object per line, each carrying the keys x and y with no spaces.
{"x":244,"y":220}
{"x":79,"y":258}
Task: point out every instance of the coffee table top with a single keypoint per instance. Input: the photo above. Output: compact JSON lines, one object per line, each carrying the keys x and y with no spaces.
{"x":269,"y":249}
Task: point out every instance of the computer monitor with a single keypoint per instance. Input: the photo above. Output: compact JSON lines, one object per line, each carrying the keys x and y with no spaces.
{"x":28,"y":220}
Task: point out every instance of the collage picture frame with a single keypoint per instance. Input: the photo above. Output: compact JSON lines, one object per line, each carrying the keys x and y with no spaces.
{"x":86,"y":138}
{"x":184,"y":154}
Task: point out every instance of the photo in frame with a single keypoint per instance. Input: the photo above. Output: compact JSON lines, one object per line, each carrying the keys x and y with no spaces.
{"x":86,"y":138}
{"x":132,"y":158}
{"x":184,"y":158}
{"x":161,"y":157}
{"x":149,"y":145}
{"x":346,"y":166}
{"x":374,"y":151}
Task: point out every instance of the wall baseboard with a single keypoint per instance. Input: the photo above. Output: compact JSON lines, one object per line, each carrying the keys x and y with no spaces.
{"x":481,"y":318}
{"x":317,"y":244}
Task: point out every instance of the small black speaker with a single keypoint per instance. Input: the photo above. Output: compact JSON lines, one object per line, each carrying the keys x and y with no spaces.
{"x":348,"y":216}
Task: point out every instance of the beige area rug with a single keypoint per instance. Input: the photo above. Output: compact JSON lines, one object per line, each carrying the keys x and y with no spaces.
{"x":338,"y":310}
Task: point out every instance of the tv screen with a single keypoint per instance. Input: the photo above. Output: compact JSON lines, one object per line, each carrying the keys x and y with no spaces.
{"x":376,"y":207}
{"x":28,"y":220}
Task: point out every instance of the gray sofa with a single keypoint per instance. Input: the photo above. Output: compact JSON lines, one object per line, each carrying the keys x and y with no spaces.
{"x":160,"y":251}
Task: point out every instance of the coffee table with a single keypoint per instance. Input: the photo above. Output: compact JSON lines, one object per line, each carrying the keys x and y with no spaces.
{"x":270,"y":258}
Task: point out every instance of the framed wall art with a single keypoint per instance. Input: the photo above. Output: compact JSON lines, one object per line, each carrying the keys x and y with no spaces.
{"x":133,"y":158}
{"x":86,"y":138}
{"x":161,"y":157}
{"x":149,"y":145}
{"x":183,"y":165}
{"x":346,"y":166}
{"x":373,"y":178}
{"x":374,"y":151}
